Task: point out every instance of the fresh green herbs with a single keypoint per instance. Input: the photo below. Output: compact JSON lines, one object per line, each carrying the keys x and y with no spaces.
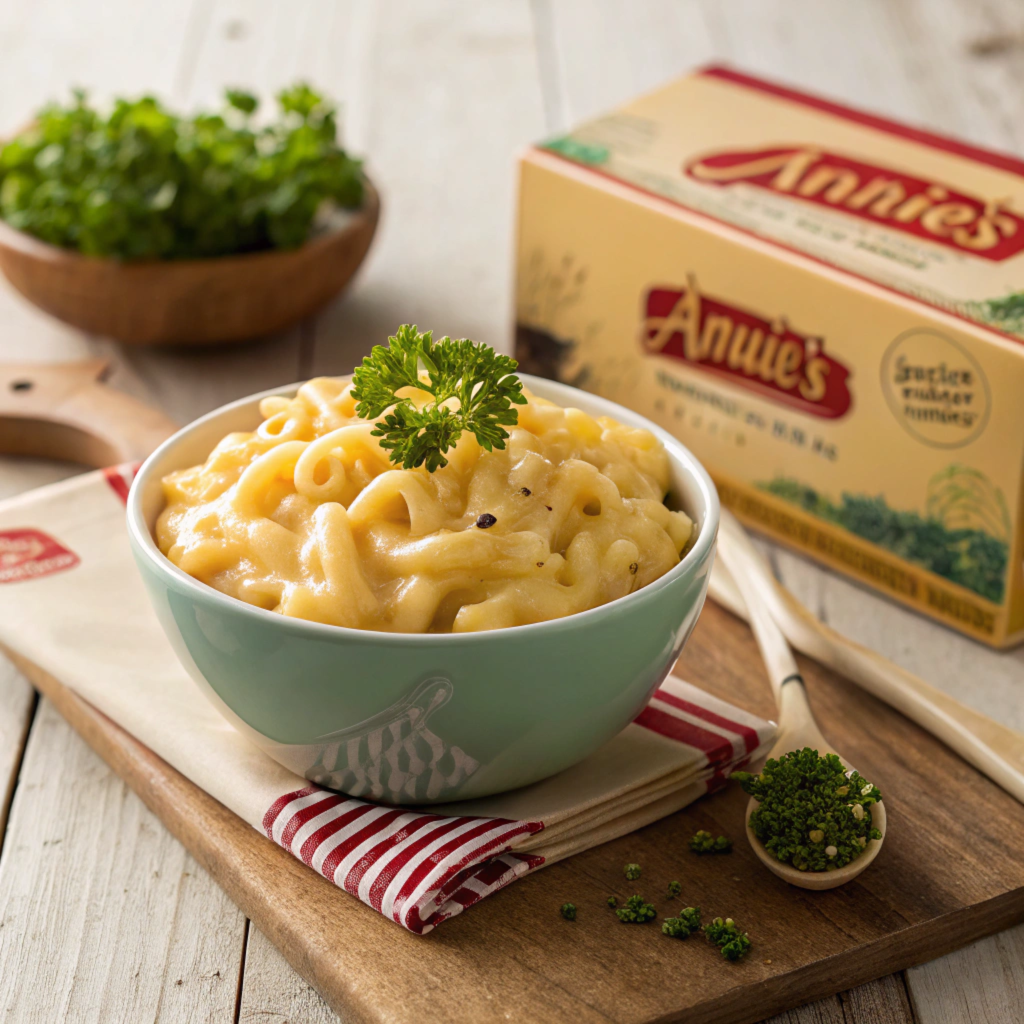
{"x":472,"y":388}
{"x":568,"y":911}
{"x":613,"y":902}
{"x":674,"y":889}
{"x":632,"y":871}
{"x":733,"y":943}
{"x":636,"y":911}
{"x":684,"y":925}
{"x":810,"y":813}
{"x":146,"y":183}
{"x":705,"y":842}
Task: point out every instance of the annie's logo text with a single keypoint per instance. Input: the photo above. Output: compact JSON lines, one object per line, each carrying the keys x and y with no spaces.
{"x":765,"y":356}
{"x":912,"y":205}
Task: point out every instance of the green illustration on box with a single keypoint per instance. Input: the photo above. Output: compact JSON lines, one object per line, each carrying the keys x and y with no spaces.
{"x":581,"y":152}
{"x":549,"y":320}
{"x":963,"y":534}
{"x":555,"y":334}
{"x":1005,"y":313}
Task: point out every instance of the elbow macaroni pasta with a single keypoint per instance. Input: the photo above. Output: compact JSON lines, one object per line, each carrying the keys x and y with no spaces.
{"x":306,"y":516}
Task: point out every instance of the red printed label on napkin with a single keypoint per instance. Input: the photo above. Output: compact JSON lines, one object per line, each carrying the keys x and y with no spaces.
{"x":30,"y":554}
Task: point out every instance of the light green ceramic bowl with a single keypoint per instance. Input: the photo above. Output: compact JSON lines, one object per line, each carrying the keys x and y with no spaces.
{"x":414,"y":719}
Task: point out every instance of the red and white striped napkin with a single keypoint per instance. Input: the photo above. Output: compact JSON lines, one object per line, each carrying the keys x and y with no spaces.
{"x":72,"y":602}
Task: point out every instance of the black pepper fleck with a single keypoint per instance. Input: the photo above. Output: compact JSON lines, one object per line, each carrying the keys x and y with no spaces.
{"x":548,"y":507}
{"x":525,"y":491}
{"x":633,"y":567}
{"x":540,"y":565}
{"x":486,"y":521}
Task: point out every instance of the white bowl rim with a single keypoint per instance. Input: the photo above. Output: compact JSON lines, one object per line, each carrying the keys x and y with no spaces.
{"x":562,"y":394}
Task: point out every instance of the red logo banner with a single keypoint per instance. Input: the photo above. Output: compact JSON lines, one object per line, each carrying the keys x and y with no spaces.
{"x":765,"y":356}
{"x":886,"y":197}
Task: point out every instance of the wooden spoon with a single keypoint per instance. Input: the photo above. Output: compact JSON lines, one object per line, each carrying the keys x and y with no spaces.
{"x":992,"y":747}
{"x":797,"y":727}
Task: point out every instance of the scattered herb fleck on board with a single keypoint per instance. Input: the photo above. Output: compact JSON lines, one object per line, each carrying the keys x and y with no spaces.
{"x":636,"y":911}
{"x":810,"y":813}
{"x":632,"y":871}
{"x":704,"y":842}
{"x":726,"y":934}
{"x":684,"y":925}
{"x":568,"y":911}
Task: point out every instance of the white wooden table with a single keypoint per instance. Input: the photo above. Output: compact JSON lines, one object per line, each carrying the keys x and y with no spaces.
{"x":103,"y":916}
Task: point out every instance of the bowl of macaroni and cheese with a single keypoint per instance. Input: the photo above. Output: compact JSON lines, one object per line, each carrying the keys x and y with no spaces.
{"x":416,"y":637}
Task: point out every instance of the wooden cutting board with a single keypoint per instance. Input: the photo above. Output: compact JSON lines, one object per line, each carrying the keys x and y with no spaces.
{"x":950,"y":872}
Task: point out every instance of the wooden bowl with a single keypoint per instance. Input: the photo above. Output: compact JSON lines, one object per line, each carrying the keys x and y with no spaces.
{"x":194,"y":302}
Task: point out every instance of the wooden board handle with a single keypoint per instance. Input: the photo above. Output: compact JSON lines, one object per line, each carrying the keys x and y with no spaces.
{"x":65,"y":411}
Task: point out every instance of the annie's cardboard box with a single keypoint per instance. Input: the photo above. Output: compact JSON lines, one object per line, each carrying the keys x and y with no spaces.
{"x":827,"y":307}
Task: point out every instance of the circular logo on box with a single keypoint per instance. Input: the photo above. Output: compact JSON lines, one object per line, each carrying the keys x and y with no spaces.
{"x":935,"y":388}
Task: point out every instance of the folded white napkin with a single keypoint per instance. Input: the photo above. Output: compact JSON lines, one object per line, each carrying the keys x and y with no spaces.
{"x":72,"y":602}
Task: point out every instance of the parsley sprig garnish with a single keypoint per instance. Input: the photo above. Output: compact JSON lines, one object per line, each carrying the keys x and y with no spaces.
{"x":473,"y":388}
